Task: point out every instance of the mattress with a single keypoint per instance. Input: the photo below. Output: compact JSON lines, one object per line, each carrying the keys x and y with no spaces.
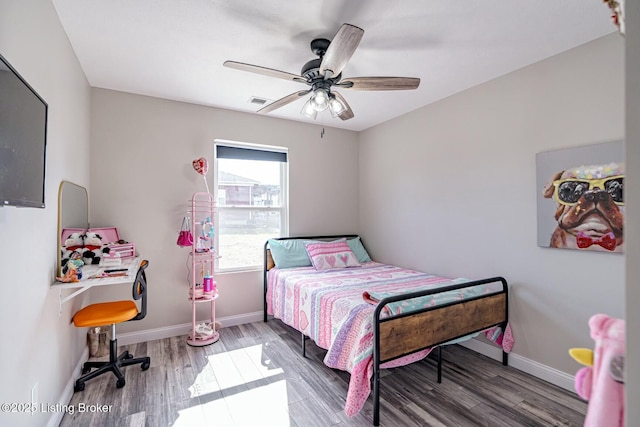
{"x":336,"y":307}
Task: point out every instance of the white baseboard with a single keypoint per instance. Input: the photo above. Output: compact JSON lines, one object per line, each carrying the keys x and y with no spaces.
{"x":516,"y":361}
{"x":183,"y":329}
{"x":531,"y":367}
{"x":67,"y":393}
{"x":142,"y":336}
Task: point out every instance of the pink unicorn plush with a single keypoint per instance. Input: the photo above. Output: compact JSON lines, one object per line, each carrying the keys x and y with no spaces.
{"x":601,"y":381}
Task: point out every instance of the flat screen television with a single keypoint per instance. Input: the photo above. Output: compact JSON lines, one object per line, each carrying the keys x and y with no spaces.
{"x":23,"y":140}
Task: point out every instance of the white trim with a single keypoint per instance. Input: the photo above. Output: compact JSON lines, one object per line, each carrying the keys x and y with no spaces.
{"x":142,"y":336}
{"x":182,"y":329}
{"x":249,"y":208}
{"x":516,"y":361}
{"x":531,"y":367}
{"x":67,"y":392}
{"x":283,"y":209}
{"x":255,"y":268}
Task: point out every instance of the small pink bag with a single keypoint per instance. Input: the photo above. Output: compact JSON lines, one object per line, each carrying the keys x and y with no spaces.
{"x":185,"y":238}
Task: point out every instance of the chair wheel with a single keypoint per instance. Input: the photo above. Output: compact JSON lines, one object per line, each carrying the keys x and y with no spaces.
{"x":129,"y":356}
{"x":120,"y":383}
{"x":85,"y":370}
{"x":145,"y":366}
{"x":78,"y":387}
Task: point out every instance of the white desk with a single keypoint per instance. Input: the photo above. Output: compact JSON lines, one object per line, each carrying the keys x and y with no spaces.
{"x":90,"y":279}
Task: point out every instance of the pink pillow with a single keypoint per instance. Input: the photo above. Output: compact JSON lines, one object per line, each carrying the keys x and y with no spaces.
{"x":328,"y":255}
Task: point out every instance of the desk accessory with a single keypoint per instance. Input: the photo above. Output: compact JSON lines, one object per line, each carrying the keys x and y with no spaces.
{"x":111,"y":259}
{"x":111,"y":238}
{"x":113,"y":274}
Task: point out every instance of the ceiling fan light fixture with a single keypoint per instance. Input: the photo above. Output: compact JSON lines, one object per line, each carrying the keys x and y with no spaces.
{"x":320,"y":100}
{"x":336,"y":107}
{"x":308,"y":110}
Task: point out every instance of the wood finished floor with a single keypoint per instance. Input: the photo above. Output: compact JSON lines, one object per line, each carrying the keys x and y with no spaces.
{"x":255,"y":376}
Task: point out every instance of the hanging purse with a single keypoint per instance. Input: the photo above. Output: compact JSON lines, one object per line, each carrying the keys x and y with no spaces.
{"x":185,"y":238}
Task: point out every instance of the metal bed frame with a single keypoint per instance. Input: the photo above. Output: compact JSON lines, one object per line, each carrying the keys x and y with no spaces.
{"x":394,"y":336}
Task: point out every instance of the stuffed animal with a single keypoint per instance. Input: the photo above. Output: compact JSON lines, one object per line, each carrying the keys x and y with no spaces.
{"x":74,"y":241}
{"x":601,"y":381}
{"x":72,"y":249}
{"x":93,"y":248}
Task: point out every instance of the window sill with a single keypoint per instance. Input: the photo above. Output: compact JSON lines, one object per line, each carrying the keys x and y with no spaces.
{"x":239,"y":270}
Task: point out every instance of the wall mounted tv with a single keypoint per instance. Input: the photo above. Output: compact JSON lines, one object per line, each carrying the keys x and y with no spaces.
{"x":23,"y":140}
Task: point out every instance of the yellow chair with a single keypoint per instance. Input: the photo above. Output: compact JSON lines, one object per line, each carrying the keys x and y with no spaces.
{"x":113,"y":312}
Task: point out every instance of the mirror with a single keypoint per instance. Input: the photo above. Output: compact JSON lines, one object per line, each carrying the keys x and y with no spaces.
{"x":73,"y":210}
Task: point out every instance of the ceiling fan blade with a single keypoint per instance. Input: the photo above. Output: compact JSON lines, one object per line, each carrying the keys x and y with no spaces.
{"x":348,"y":113}
{"x":283,"y":101}
{"x":264,"y":71}
{"x":379,"y":83}
{"x":340,"y":50}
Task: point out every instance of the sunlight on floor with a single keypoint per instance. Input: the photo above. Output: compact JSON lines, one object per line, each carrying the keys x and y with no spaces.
{"x":238,"y":388}
{"x":262,"y":406}
{"x":192,"y":416}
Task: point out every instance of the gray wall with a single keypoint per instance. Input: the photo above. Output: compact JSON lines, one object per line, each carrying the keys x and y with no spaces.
{"x":142,"y":180}
{"x":451,"y":189}
{"x":486,"y":135}
{"x":38,"y":344}
{"x":633,"y":211}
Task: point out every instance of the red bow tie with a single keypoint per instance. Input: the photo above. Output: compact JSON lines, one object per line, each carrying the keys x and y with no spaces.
{"x":607,"y":241}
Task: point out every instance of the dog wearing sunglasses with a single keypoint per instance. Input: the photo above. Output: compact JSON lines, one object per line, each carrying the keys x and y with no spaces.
{"x":589,"y":211}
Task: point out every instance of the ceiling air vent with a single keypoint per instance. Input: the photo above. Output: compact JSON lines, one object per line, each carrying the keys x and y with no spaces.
{"x":258,"y":101}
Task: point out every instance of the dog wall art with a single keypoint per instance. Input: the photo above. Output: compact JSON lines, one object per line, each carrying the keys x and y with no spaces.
{"x":581,"y":198}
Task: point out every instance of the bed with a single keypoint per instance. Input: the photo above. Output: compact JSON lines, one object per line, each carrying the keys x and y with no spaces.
{"x":367,"y":314}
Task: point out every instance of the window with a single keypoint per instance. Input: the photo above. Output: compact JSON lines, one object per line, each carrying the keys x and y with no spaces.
{"x":252,"y":202}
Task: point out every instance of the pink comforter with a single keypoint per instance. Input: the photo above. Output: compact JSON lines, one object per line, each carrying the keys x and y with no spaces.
{"x":328,"y":306}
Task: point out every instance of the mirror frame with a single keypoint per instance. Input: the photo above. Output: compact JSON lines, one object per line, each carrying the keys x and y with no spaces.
{"x":64,"y":184}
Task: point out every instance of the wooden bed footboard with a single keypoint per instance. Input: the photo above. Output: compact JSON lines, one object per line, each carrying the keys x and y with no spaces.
{"x":403,"y":334}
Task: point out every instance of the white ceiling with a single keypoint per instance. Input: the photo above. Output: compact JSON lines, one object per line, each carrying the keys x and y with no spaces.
{"x":175,"y":49}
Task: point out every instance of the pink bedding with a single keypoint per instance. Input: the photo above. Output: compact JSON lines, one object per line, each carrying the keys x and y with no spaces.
{"x":328,"y":306}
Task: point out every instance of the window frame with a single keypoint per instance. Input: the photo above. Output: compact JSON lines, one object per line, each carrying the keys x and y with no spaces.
{"x":283,"y":209}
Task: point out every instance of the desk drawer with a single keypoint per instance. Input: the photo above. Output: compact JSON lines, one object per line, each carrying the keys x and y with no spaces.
{"x":126,"y":250}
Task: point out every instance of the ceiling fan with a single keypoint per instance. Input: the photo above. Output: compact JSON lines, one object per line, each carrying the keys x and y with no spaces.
{"x":324,"y":73}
